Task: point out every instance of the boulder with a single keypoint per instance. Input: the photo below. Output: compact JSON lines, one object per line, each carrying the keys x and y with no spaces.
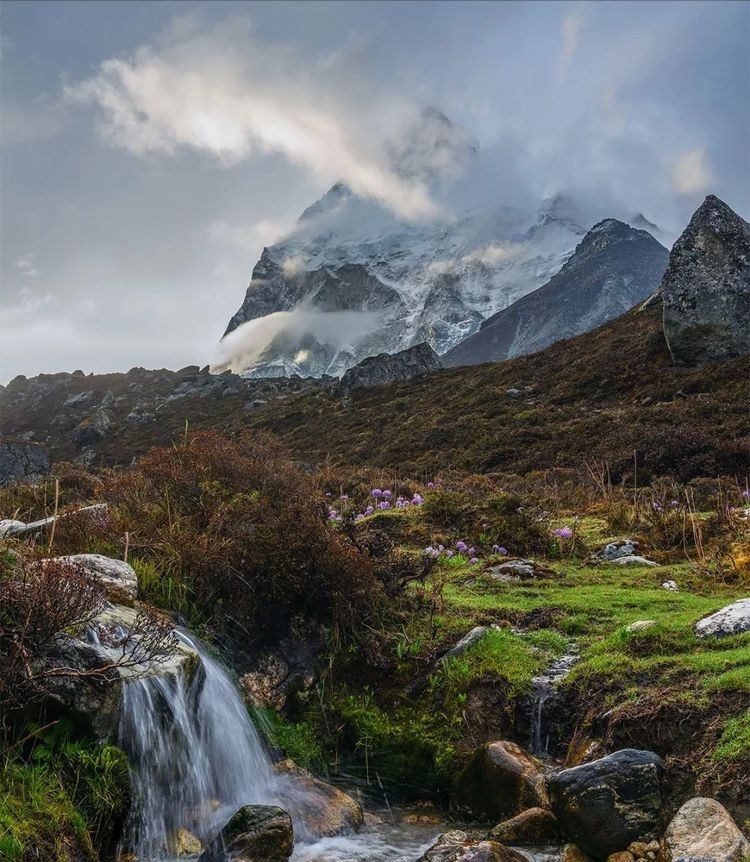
{"x":640,"y":626}
{"x":513,"y":571}
{"x":116,"y":576}
{"x":321,"y":810}
{"x":255,"y":833}
{"x":92,"y":429}
{"x":10,"y":527}
{"x":633,"y":560}
{"x":572,"y":853}
{"x":706,"y":288}
{"x":703,"y":831}
{"x":456,"y":846}
{"x":615,"y":550}
{"x":605,"y":805}
{"x":733,"y":619}
{"x":21,"y":460}
{"x":390,"y":367}
{"x":500,"y":780}
{"x":533,"y":826}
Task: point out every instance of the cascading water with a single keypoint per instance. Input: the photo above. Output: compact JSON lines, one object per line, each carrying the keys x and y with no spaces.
{"x":544,"y":688}
{"x":195,"y":756}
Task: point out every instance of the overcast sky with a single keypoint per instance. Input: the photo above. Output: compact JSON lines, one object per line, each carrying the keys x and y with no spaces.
{"x":150,"y":150}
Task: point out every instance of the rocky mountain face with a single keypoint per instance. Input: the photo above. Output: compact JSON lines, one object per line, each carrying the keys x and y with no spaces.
{"x":614,"y":267}
{"x":390,"y":367}
{"x":706,"y":289}
{"x":398,"y":283}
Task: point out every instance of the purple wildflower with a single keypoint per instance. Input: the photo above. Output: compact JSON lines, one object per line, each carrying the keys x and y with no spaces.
{"x":369,"y":510}
{"x":472,"y":552}
{"x":502,"y":551}
{"x":563,"y":533}
{"x":384,"y":505}
{"x":461,"y":546}
{"x":417,"y":499}
{"x":746,"y":495}
{"x":430,"y":485}
{"x":473,"y":560}
{"x":376,"y":493}
{"x":674,"y":504}
{"x":359,"y":518}
{"x":344,"y":496}
{"x":387,"y":494}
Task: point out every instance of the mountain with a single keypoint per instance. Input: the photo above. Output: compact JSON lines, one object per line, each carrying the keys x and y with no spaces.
{"x":613,"y":268}
{"x":706,"y":289}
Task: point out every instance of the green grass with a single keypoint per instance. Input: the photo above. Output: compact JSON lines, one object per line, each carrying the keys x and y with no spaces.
{"x":734,"y":742}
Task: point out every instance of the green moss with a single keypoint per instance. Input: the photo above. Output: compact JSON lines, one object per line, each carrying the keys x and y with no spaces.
{"x":300,"y":740}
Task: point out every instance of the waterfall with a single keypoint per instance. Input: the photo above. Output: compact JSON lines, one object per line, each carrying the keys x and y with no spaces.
{"x":195,"y":756}
{"x":543,"y":688}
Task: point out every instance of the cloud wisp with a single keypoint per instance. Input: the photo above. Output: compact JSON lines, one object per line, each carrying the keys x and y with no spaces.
{"x":220,"y":91}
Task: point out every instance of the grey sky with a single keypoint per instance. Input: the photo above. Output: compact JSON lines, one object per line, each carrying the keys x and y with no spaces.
{"x":137,"y":195}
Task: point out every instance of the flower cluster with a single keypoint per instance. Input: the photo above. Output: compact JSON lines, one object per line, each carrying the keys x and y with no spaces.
{"x":563,"y":533}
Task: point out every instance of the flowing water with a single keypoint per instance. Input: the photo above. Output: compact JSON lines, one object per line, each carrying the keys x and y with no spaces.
{"x":543,"y":688}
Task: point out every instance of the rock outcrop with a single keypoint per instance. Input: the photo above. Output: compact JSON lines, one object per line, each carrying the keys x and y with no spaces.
{"x":605,"y":805}
{"x":390,"y":367}
{"x":500,"y":780}
{"x":613,"y":268}
{"x":117,"y":577}
{"x":734,"y":619}
{"x":20,"y":459}
{"x":255,"y":832}
{"x":703,"y":831}
{"x":706,"y":289}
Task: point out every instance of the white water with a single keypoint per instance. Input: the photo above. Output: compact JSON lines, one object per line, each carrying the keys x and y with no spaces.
{"x":542,"y":689}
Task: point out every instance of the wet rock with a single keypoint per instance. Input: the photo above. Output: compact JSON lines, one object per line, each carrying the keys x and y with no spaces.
{"x":606,"y":804}
{"x":572,"y":853}
{"x":390,"y":367}
{"x":466,"y":642}
{"x":184,"y":843}
{"x":255,"y":832}
{"x":21,"y":460}
{"x":458,"y":847}
{"x":533,"y":826}
{"x":643,"y":851}
{"x":706,"y":288}
{"x":703,"y":831}
{"x":734,"y":619}
{"x":119,"y":578}
{"x":324,"y":810}
{"x":500,"y":780}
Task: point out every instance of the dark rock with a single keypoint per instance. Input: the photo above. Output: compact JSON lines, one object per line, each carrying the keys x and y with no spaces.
{"x":605,"y":805}
{"x":500,"y":781}
{"x":255,"y":833}
{"x":21,"y":460}
{"x":706,"y":289}
{"x":390,"y":367}
{"x":91,"y":430}
{"x":613,"y":268}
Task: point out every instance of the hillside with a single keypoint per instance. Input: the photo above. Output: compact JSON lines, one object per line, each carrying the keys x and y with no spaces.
{"x":601,"y":395}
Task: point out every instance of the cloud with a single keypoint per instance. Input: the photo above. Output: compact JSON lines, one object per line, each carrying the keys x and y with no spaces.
{"x":263,"y":233}
{"x":242,"y":347}
{"x":692,"y":172}
{"x":569,"y":35}
{"x":26,"y":265}
{"x":221,"y":92}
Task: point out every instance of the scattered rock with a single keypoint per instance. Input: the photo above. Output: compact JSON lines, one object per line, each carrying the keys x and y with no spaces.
{"x":606,"y":804}
{"x":500,"y":780}
{"x":640,"y":626}
{"x":621,"y":856}
{"x":734,"y":619}
{"x":643,"y":851}
{"x":703,"y":831}
{"x":513,"y":571}
{"x":466,"y":642}
{"x":255,"y":832}
{"x":671,"y":586}
{"x":22,"y":460}
{"x":390,"y":367}
{"x":324,"y":810}
{"x":615,"y":550}
{"x":633,"y":560}
{"x":706,"y":288}
{"x":533,"y":826}
{"x":91,"y":430}
{"x":79,"y":398}
{"x":118,"y":577}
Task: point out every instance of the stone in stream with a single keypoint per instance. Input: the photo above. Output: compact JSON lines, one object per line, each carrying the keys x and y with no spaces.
{"x":533,"y":826}
{"x":255,"y":832}
{"x":456,"y":846}
{"x":703,"y":831}
{"x":324,"y":810}
{"x":500,"y":780}
{"x":733,"y":619}
{"x":116,"y":576}
{"x":605,"y":805}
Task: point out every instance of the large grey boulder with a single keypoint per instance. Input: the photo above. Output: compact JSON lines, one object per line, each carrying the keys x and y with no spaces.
{"x":733,"y":619}
{"x":706,"y":289}
{"x":22,"y":460}
{"x":390,"y":367}
{"x":703,"y":831}
{"x":116,"y":576}
{"x":255,"y":832}
{"x":605,"y":805}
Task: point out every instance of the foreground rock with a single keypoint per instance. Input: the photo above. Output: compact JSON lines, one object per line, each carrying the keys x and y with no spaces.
{"x":323,"y":810}
{"x":533,"y":826}
{"x":734,"y":619}
{"x":117,"y":577}
{"x":22,"y":460}
{"x":256,"y":833}
{"x":706,"y":288}
{"x":703,"y":831}
{"x":390,"y":367}
{"x":500,"y":781}
{"x":604,"y":805}
{"x":458,"y":847}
